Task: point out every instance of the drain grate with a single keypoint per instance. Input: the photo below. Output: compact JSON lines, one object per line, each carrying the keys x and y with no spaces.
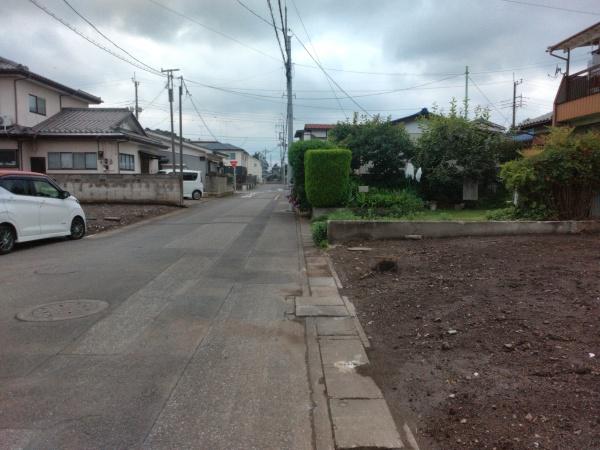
{"x":69,"y":309}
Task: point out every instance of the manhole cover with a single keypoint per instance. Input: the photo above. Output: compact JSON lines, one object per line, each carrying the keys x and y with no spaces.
{"x":69,"y":309}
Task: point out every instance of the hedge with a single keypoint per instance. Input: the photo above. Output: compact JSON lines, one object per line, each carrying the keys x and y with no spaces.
{"x":296,"y":160}
{"x":327,"y":173}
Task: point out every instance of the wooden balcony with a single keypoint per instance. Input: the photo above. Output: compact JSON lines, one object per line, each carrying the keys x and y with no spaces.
{"x":578,"y":96}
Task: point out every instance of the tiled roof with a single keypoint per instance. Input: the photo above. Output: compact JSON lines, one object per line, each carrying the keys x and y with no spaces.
{"x":423,"y":113}
{"x":539,"y":120}
{"x":217,"y":146}
{"x":83,"y":121}
{"x":11,"y":67}
{"x":318,"y":126}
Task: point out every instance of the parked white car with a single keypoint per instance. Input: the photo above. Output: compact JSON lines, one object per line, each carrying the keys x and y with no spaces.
{"x":192,"y":182}
{"x":33,"y":206}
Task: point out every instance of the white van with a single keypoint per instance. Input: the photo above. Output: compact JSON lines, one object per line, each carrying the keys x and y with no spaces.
{"x":192,"y":182}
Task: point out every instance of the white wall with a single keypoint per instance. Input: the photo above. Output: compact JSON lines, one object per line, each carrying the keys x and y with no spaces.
{"x":24,"y":87}
{"x":240,"y":156}
{"x":255,"y":168}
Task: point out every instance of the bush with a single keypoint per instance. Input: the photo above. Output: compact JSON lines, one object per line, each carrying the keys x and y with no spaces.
{"x":400,"y":202}
{"x":319,"y":233}
{"x":327,"y":174}
{"x":560,"y":181}
{"x":296,"y":160}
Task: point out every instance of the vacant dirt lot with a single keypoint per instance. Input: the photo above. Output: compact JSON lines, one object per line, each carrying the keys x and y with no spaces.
{"x":484,"y":343}
{"x":105,"y":216}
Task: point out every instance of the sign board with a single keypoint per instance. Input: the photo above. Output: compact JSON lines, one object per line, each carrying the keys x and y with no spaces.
{"x":363,"y":189}
{"x":233,"y":163}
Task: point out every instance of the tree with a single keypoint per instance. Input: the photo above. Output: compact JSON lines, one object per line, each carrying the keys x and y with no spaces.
{"x":452,"y":149}
{"x":378,"y":144}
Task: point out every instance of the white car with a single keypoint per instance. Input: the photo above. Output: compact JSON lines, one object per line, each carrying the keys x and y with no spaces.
{"x":33,"y":206}
{"x":192,"y":182}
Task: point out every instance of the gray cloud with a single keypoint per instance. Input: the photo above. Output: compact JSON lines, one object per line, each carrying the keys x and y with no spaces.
{"x":417,"y":38}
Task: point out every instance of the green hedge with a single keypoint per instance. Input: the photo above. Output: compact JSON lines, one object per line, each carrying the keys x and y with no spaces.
{"x":296,"y":160}
{"x":327,"y":173}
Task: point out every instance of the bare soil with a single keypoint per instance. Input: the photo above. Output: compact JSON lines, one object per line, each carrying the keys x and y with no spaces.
{"x":484,"y":343}
{"x":106,"y":216}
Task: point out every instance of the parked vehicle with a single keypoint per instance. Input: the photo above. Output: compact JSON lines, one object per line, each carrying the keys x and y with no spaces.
{"x":192,"y":182}
{"x":33,"y":206}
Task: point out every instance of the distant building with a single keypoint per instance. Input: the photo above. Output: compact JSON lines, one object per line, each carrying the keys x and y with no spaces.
{"x":531,"y":132}
{"x":412,"y":123}
{"x":255,"y":168}
{"x":311,"y":131}
{"x":228,"y":151}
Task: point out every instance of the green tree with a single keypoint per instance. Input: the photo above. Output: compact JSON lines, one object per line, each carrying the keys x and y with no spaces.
{"x":560,"y":181}
{"x":378,"y":144}
{"x":451,"y":149}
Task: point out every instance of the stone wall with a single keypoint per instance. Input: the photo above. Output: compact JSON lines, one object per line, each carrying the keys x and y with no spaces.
{"x":118,"y":188}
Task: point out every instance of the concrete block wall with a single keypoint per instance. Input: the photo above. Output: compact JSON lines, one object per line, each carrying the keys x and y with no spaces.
{"x":217,"y":186}
{"x":349,"y":230}
{"x":119,"y":188}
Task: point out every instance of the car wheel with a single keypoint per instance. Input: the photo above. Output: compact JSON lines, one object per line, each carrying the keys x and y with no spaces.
{"x":197,"y":195}
{"x":7,"y":239}
{"x":77,"y":228}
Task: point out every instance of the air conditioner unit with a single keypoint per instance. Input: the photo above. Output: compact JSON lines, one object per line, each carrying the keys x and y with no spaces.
{"x":5,"y":122}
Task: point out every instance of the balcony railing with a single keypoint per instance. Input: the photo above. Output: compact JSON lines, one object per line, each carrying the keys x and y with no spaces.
{"x":579,"y":85}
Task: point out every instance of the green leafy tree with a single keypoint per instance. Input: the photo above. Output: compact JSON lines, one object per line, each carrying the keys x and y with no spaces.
{"x":560,"y":181}
{"x":378,"y":144}
{"x":452,"y":149}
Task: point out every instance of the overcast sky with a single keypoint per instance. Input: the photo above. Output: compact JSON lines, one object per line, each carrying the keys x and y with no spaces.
{"x":417,"y":47}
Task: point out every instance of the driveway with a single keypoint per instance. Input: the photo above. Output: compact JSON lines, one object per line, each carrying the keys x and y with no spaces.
{"x":193,"y":351}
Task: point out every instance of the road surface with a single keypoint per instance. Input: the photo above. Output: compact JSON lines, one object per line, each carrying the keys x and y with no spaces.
{"x":193,"y":351}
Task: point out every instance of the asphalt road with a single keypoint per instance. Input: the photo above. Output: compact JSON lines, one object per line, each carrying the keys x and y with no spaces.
{"x":193,"y":351}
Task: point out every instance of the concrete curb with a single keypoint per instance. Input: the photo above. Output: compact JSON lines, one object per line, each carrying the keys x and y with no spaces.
{"x":349,"y":230}
{"x":358,"y":412}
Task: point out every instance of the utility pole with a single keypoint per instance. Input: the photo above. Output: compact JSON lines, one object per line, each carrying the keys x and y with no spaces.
{"x":181,"y":140}
{"x":136,"y":83}
{"x":169,"y":73}
{"x":466,"y":101}
{"x":514,"y":103}
{"x":290,"y":107}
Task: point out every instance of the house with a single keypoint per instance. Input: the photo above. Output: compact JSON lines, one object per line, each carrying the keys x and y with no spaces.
{"x":318,"y":131}
{"x":49,"y":127}
{"x":255,"y":168}
{"x":577,"y":102}
{"x":230,"y":152}
{"x":412,"y":123}
{"x":489,"y":126}
{"x":195,"y":157}
{"x":531,"y":132}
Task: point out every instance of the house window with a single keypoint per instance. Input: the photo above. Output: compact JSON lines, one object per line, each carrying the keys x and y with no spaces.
{"x":126,"y":162}
{"x":72,"y":161}
{"x":232,"y":155}
{"x":8,"y":158}
{"x":37,"y":104}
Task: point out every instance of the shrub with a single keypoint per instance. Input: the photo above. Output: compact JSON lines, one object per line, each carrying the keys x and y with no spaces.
{"x":560,"y":181}
{"x":296,"y":160}
{"x":319,"y":233}
{"x":401,"y":202}
{"x":327,"y":174}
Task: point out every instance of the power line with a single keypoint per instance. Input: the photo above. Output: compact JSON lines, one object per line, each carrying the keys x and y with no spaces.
{"x":558,"y":8}
{"x":276,"y":32}
{"x":109,"y":39}
{"x":332,"y":80}
{"x":90,"y":40}
{"x":254,"y":13}
{"x":189,"y":95}
{"x":489,"y":101}
{"x":318,"y":59}
{"x":197,"y":22}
